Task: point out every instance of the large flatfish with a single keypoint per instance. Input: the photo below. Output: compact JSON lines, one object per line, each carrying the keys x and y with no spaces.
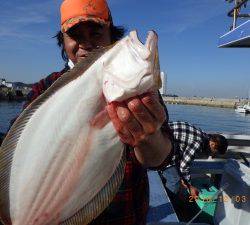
{"x":62,"y":161}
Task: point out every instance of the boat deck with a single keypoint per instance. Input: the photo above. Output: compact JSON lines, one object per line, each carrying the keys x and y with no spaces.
{"x":161,"y":209}
{"x":238,"y":37}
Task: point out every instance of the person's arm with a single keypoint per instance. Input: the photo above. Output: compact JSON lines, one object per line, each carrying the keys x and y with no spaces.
{"x":155,"y":152}
{"x":185,"y":163}
{"x":138,"y":122}
{"x":166,"y":133}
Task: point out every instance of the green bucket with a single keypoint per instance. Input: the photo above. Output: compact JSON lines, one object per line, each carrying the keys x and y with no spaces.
{"x":206,"y":201}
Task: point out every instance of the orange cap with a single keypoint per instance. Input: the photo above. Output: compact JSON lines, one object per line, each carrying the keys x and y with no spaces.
{"x":76,"y":11}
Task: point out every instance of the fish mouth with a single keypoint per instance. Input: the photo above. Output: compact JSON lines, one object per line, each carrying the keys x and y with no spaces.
{"x":151,"y":39}
{"x":134,"y":37}
{"x":150,"y":46}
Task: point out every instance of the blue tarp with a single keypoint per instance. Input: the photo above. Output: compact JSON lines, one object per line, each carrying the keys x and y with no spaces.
{"x":238,"y":37}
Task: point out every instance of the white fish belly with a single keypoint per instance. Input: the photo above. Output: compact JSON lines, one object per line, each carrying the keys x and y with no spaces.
{"x":67,"y":161}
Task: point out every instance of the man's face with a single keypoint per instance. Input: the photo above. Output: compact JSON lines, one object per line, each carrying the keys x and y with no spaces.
{"x":83,"y":38}
{"x":213,"y":147}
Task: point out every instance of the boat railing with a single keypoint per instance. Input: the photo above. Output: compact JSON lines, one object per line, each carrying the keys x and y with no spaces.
{"x":238,"y":149}
{"x":235,"y":12}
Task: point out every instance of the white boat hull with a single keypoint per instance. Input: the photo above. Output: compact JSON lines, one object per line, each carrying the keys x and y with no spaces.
{"x":243,"y":109}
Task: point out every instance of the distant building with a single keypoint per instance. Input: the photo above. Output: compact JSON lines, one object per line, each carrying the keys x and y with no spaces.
{"x":163,"y":89}
{"x":8,"y":84}
{"x":2,"y":81}
{"x":5,"y":83}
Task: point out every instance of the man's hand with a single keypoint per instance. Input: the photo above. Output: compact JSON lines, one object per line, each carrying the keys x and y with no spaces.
{"x":194,"y":192}
{"x":137,"y":118}
{"x":183,"y":184}
{"x":138,"y":121}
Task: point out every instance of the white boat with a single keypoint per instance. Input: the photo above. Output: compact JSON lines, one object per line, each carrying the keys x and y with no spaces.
{"x":247,"y":106}
{"x":243,"y":109}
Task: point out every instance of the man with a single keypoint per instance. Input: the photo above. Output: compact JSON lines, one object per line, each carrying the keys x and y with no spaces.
{"x":190,"y":141}
{"x":141,"y":122}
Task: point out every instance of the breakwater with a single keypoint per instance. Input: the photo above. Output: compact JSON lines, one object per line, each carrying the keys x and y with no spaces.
{"x":10,"y":94}
{"x":212,"y":102}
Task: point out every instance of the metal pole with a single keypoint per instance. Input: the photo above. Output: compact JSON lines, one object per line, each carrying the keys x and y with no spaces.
{"x":235,"y":15}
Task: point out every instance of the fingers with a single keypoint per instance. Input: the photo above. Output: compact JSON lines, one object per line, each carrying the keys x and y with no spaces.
{"x":142,"y":115}
{"x":137,"y":118}
{"x":129,"y":121}
{"x":124,"y":134}
{"x":151,"y":102}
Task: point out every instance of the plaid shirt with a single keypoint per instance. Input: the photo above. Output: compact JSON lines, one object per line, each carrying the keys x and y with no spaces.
{"x":188,"y":141}
{"x":130,"y":205}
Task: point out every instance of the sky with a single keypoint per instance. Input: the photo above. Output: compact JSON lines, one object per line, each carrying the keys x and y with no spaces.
{"x":188,"y":37}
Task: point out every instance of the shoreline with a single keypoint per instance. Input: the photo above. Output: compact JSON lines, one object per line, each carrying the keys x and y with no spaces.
{"x":211,"y":102}
{"x":13,"y":94}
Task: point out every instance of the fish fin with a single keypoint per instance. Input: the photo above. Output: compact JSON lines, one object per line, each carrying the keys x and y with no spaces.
{"x":10,"y":142}
{"x":157,"y":70}
{"x":101,"y":201}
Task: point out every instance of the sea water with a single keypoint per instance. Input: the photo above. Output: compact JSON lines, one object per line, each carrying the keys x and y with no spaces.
{"x":209,"y":119}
